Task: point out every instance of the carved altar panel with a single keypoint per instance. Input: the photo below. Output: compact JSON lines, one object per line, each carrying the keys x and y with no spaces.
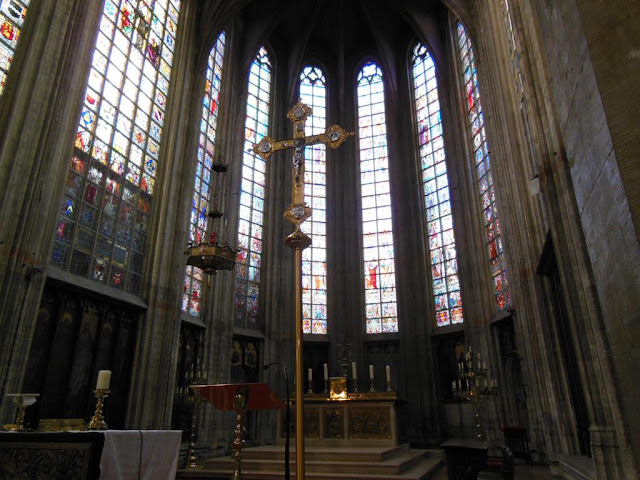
{"x":334,"y":423}
{"x":312,"y":423}
{"x":370,"y":423}
{"x":361,"y":419}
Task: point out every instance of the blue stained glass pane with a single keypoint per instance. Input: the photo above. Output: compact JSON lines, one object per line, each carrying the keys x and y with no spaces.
{"x":484,"y":180}
{"x":201,"y":192}
{"x":379,"y":266}
{"x":434,"y":173}
{"x":114,"y":130}
{"x":248,"y":259}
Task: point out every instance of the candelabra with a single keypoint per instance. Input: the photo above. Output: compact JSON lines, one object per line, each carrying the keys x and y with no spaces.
{"x":474,"y":385}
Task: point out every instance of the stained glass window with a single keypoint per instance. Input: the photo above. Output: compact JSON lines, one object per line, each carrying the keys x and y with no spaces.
{"x":377,"y":236}
{"x":482,"y":165}
{"x":442,"y":244}
{"x":314,"y":258}
{"x":201,"y":191}
{"x":103,"y":221}
{"x":12,"y":15}
{"x":252,"y":194}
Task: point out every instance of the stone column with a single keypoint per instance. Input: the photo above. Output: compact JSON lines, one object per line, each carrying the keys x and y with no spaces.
{"x":153,"y":376}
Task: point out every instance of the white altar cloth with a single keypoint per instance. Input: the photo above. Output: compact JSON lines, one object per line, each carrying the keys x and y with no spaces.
{"x":140,"y":454}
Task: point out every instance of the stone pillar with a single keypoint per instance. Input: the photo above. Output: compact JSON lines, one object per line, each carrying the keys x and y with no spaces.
{"x":39,"y":111}
{"x":153,"y":377}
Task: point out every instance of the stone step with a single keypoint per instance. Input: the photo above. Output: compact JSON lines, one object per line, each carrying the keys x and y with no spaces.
{"x":422,"y":471}
{"x":345,"y":463}
{"x":339,"y":454}
{"x":392,"y":466}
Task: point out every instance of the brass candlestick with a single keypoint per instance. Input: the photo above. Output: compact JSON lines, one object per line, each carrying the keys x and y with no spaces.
{"x":326,"y":386}
{"x":371,"y":387}
{"x":97,"y":422}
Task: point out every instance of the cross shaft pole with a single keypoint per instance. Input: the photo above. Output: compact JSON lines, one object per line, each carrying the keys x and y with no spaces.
{"x":297,"y":213}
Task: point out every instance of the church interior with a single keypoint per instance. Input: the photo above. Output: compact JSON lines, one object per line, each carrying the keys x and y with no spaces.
{"x":460,"y":176}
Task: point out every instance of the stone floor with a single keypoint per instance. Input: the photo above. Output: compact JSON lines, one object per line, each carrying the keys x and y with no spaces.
{"x":521,"y":472}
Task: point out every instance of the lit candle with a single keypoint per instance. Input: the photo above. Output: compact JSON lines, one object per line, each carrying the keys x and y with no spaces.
{"x":388,"y":374}
{"x":310,"y":375}
{"x":371,"y":372}
{"x":104,"y":379}
{"x":354,"y":372}
{"x":326,"y":372}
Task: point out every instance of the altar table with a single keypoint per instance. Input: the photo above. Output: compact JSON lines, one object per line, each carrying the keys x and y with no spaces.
{"x":360,"y":419}
{"x":90,"y":455}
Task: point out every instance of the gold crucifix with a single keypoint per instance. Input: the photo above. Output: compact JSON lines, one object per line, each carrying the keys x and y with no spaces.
{"x":297,"y":213}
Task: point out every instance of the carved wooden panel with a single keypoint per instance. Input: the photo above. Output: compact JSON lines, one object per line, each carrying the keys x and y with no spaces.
{"x":370,"y":423}
{"x":77,"y":334}
{"x":312,"y":423}
{"x":334,"y":422}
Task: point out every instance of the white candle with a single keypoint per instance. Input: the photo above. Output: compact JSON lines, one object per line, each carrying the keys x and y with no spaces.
{"x":453,"y":385}
{"x":388,"y":374}
{"x":104,"y":379}
{"x":326,"y":372}
{"x":310,"y":375}
{"x":484,"y":365}
{"x":354,"y":372}
{"x":371,"y":372}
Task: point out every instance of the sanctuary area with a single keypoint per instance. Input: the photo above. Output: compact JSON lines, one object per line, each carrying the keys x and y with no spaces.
{"x":385,"y":238}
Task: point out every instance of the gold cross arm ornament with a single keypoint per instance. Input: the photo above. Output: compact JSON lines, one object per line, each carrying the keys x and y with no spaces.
{"x":334,"y":136}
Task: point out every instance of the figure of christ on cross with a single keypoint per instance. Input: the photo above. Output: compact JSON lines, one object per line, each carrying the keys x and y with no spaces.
{"x":297,"y":213}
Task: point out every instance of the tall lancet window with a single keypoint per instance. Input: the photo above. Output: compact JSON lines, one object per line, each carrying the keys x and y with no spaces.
{"x":102,"y":226}
{"x":201,"y":189}
{"x":252,"y":194}
{"x":377,"y":236}
{"x":12,"y":15}
{"x":442,"y":243}
{"x":314,"y":258}
{"x":482,"y":165}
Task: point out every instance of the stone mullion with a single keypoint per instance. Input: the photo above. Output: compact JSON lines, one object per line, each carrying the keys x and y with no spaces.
{"x":277,"y":261}
{"x":416,"y":317}
{"x":157,"y":348}
{"x":38,"y":116}
{"x":217,"y":312}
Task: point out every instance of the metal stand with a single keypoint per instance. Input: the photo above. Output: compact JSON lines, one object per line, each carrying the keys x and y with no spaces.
{"x":239,"y":404}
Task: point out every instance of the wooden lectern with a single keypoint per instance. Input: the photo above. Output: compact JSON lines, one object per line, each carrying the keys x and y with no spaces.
{"x":239,"y":397}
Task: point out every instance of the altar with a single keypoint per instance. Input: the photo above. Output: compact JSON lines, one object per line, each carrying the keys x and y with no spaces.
{"x":357,"y":419}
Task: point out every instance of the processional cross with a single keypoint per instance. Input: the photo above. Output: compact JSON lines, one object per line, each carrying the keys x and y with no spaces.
{"x":297,"y":213}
